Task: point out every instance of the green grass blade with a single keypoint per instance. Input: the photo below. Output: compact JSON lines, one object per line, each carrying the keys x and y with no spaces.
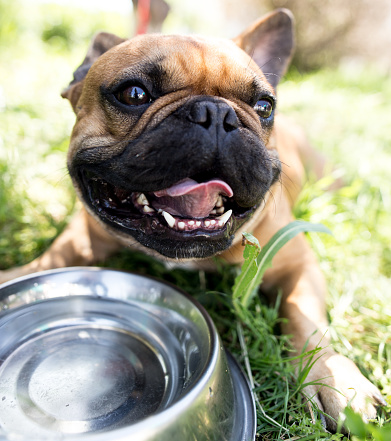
{"x":249,"y":267}
{"x":257,"y":263}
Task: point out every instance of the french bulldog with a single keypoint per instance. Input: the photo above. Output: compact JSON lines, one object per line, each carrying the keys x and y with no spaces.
{"x":177,"y":149}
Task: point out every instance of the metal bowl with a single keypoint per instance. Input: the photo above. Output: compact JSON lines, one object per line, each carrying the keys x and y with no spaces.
{"x":97,"y":354}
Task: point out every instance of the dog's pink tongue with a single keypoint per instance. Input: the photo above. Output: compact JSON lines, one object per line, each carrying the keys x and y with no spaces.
{"x":191,"y":199}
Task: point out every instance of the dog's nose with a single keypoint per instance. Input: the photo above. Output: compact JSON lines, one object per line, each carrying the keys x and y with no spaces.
{"x":214,"y":116}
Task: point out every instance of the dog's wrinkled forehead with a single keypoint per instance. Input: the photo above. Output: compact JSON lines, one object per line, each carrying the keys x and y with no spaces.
{"x":248,"y":67}
{"x":202,"y":65}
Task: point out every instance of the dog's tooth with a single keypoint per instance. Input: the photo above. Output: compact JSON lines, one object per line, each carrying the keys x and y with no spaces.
{"x":169,"y":219}
{"x":219,"y":202}
{"x":220,"y":210}
{"x":148,"y":209}
{"x":207,"y":223}
{"x":142,"y":200}
{"x":213,"y":222}
{"x":191,"y":223}
{"x":181,"y":225}
{"x":198,"y":223}
{"x":213,"y":212}
{"x":224,"y":217}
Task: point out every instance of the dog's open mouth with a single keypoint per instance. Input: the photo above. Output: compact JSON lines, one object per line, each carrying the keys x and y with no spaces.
{"x":188,"y":208}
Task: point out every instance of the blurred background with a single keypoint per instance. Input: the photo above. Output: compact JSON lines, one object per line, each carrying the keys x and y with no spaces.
{"x":338,"y":89}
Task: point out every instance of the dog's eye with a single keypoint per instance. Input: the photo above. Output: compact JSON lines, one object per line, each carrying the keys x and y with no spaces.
{"x":264,"y":108}
{"x":133,"y":96}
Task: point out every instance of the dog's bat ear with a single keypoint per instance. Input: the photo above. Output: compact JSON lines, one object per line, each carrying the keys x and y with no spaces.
{"x":101,"y":43}
{"x":270,"y":42}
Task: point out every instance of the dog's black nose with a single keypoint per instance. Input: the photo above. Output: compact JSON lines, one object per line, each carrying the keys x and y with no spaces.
{"x":214,"y":116}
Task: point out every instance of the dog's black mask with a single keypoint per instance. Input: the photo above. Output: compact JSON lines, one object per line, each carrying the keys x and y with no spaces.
{"x":202,"y":142}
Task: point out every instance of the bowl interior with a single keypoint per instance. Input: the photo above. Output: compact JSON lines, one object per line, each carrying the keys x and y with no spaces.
{"x":93,"y":351}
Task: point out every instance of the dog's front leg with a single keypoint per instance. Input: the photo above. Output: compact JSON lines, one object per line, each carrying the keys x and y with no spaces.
{"x":296,"y":272}
{"x":83,"y":242}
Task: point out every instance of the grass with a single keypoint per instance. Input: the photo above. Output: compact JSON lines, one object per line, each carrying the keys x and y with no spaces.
{"x":346,"y":115}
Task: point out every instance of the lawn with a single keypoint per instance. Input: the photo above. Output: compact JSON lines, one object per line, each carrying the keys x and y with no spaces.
{"x":346,"y":113}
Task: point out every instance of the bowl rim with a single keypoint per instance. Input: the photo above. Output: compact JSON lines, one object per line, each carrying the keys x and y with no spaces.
{"x":168,"y":415}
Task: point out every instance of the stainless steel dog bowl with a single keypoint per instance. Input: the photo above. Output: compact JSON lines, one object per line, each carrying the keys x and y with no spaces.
{"x":96,"y":354}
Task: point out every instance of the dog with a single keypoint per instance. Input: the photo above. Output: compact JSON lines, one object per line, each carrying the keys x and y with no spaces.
{"x":176,"y":148}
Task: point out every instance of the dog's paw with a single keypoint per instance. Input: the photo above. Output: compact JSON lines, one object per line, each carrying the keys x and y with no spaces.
{"x":340,"y":383}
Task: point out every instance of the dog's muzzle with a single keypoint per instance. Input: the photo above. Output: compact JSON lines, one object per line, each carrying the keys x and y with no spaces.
{"x":183,"y":188}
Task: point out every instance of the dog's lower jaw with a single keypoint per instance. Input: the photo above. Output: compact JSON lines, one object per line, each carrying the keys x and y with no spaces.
{"x":189,"y":250}
{"x":168,"y":243}
{"x":140,"y":218}
{"x":166,"y":249}
{"x":199,"y":248}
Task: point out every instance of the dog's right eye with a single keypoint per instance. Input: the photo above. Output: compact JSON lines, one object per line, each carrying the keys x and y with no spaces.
{"x":133,"y":96}
{"x":264,"y":108}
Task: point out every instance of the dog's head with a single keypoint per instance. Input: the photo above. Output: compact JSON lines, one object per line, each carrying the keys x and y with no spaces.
{"x":171,"y":146}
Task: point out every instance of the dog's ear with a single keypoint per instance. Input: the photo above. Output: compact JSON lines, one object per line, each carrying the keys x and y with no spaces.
{"x":102,"y":42}
{"x":269,"y":42}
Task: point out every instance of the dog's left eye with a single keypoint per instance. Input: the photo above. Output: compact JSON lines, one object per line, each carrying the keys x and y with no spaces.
{"x":133,"y":96}
{"x":264,"y":108}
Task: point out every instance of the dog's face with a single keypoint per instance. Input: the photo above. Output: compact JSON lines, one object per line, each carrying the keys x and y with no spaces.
{"x":171,"y":143}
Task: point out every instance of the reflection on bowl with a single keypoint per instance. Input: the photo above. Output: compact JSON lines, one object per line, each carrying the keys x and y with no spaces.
{"x":96,"y":354}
